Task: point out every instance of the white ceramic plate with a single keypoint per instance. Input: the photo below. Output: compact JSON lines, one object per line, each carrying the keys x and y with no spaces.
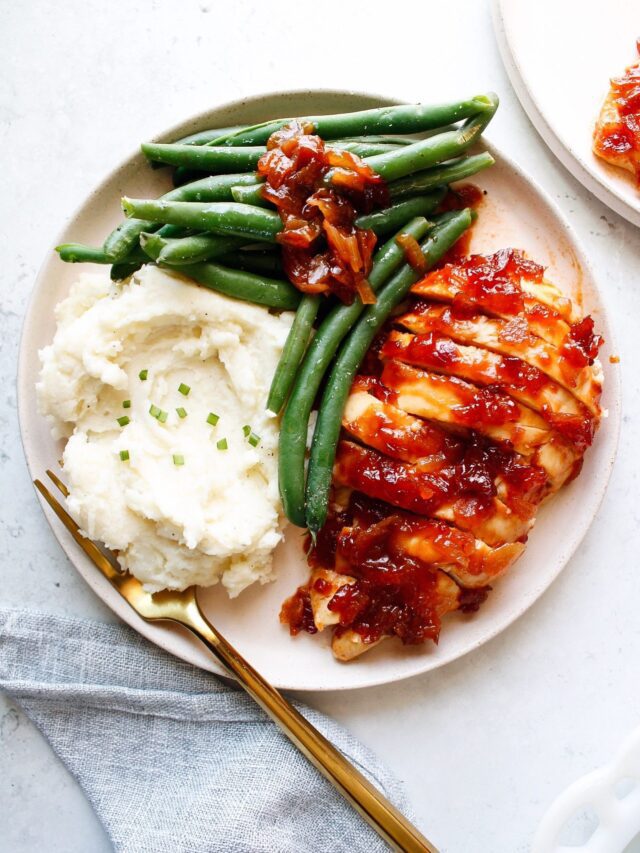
{"x":560,"y":56}
{"x":515,"y":213}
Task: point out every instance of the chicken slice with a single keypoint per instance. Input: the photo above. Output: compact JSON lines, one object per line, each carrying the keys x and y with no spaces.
{"x":524,"y":382}
{"x":450,"y":400}
{"x":476,"y":569}
{"x":405,"y":486}
{"x":349,"y":644}
{"x":385,"y":427}
{"x":511,"y":338}
{"x":548,"y":309}
{"x":323,"y":585}
{"x":440,"y":545}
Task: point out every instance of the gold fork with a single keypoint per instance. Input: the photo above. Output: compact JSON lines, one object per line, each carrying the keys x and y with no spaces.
{"x":182,"y":607}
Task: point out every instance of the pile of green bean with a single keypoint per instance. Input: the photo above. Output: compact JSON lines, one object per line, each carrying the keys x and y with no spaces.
{"x":216,"y":228}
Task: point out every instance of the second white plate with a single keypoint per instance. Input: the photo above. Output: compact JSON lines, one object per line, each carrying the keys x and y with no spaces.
{"x":560,"y":57}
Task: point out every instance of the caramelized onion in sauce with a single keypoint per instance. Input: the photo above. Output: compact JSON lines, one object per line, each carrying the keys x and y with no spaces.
{"x":323,"y":250}
{"x":412,"y":252}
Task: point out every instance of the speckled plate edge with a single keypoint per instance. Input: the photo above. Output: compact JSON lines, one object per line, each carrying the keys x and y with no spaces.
{"x":174,"y":640}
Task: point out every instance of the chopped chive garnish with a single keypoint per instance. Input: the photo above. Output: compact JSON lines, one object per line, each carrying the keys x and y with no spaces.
{"x":184,"y":389}
{"x":143,"y":374}
{"x":182,"y":413}
{"x":123,"y":421}
{"x":155,"y":411}
{"x":246,"y":429}
{"x":178,"y":459}
{"x":254,"y":440}
{"x":222,"y":444}
{"x":162,"y":417}
{"x":124,"y":455}
{"x":126,"y":404}
{"x":212,"y":418}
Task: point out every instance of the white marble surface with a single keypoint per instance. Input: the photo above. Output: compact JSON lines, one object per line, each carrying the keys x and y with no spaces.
{"x":485,"y":744}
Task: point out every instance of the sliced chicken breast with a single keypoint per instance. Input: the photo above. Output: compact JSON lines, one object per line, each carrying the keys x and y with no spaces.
{"x":525,"y":383}
{"x":510,"y":285}
{"x":511,"y":338}
{"x":403,"y":485}
{"x":487,"y":396}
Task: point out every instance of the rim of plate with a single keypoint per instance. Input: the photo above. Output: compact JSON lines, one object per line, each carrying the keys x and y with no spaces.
{"x":156,"y":633}
{"x":606,"y":192}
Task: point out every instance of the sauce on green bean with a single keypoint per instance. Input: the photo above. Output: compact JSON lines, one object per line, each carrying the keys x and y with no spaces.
{"x":323,"y":250}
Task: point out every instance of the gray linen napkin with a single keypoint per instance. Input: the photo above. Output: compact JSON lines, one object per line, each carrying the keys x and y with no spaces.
{"x":172,"y":758}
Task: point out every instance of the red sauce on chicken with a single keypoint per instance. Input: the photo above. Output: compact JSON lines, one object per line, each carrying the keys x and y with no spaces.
{"x":467,"y":478}
{"x":581,"y":345}
{"x":323,"y":250}
{"x":393,"y":593}
{"x":297,"y":614}
{"x":403,"y":471}
{"x":620,"y":140}
{"x":490,"y":282}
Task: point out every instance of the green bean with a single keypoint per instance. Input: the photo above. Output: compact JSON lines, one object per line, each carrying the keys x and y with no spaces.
{"x":428,"y":152}
{"x":250,"y":195}
{"x":188,"y":250}
{"x":183,"y":175}
{"x":389,"y":219}
{"x":406,"y":118}
{"x":222,"y":158}
{"x":78,"y":253}
{"x":332,"y":330}
{"x":123,"y":270}
{"x":152,"y":244}
{"x":214,"y":158}
{"x":239,"y":220}
{"x":214,"y":188}
{"x":203,"y":246}
{"x":206,"y":137}
{"x":171,"y":231}
{"x":246,"y":286}
{"x":210,"y":137}
{"x":257,"y":262}
{"x":293,"y":351}
{"x":363,"y":146}
{"x":363,"y":149}
{"x":455,"y":170}
{"x":386,"y":140}
{"x":415,"y":184}
{"x":211,"y":188}
{"x":334,"y":398}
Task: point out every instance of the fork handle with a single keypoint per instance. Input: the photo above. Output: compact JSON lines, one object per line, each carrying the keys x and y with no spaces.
{"x":387,"y":821}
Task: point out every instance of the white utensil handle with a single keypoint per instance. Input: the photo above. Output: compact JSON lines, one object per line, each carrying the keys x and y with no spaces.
{"x":618,"y":817}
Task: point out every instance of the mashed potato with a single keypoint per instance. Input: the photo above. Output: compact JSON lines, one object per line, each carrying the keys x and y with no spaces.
{"x":216,"y":516}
